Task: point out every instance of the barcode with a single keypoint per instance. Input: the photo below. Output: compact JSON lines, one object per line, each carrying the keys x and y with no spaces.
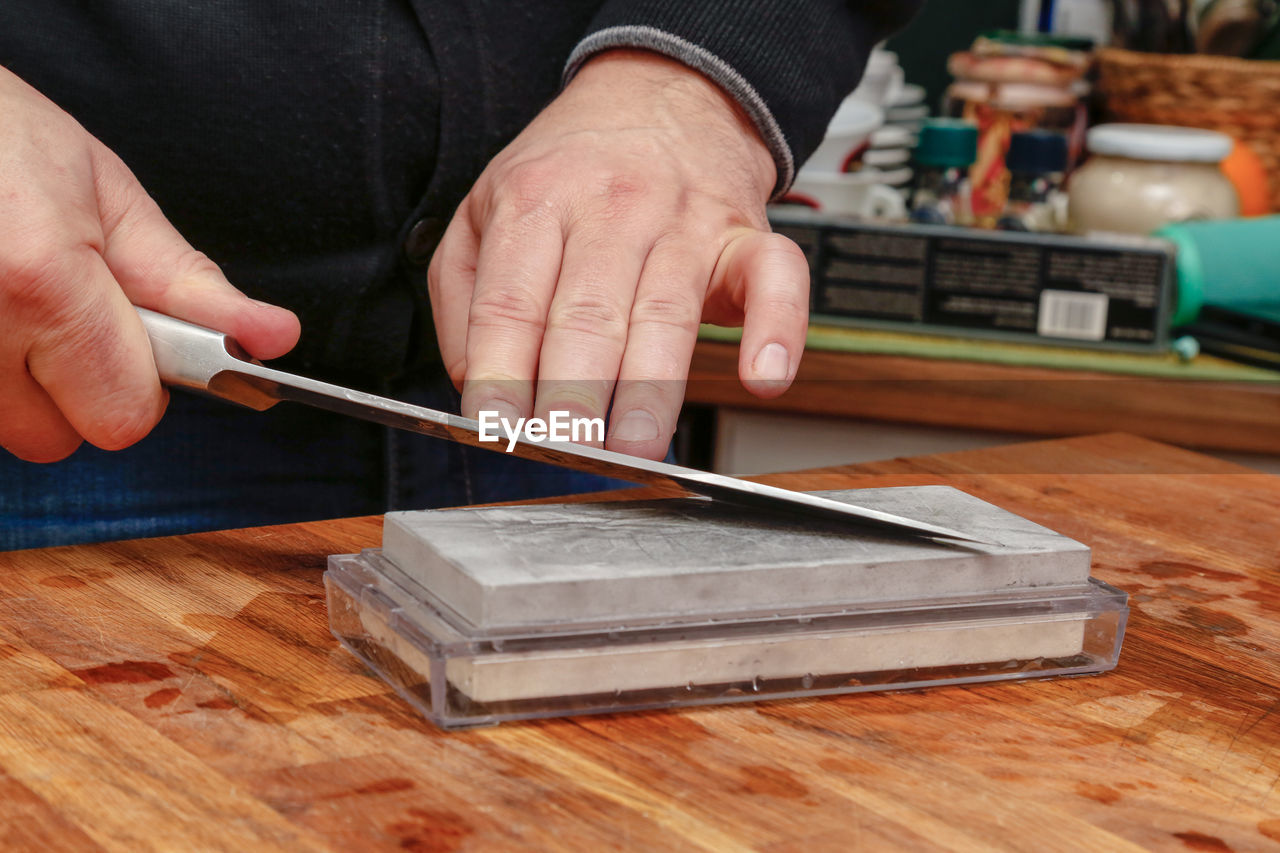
{"x":1071,"y":314}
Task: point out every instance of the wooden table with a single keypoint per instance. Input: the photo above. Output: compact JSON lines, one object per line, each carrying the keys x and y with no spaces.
{"x":185,"y":693}
{"x":1236,"y":416}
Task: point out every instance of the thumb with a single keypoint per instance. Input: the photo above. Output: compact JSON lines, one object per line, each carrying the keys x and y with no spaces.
{"x":768,"y":276}
{"x":158,"y":269}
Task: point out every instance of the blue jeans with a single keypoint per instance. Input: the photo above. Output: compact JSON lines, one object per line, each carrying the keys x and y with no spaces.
{"x":212,"y":465}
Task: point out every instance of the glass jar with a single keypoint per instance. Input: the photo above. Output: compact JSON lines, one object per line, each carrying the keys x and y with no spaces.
{"x":1140,"y":177}
{"x":1011,"y":82}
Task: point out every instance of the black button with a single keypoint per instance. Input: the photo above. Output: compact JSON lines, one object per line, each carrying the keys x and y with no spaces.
{"x":422,"y":240}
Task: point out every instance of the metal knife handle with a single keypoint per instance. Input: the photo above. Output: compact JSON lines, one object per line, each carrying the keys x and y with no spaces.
{"x":200,"y":359}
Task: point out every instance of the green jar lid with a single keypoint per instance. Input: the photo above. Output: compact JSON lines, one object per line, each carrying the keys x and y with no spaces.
{"x":947,"y":142}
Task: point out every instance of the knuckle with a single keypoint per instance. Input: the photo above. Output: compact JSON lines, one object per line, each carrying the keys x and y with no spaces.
{"x":623,"y":192}
{"x":36,"y":270}
{"x":591,"y":314}
{"x":691,"y":235}
{"x":791,"y":302}
{"x":783,"y":312}
{"x":74,"y":335}
{"x":506,"y":306}
{"x":533,"y":177}
{"x":41,"y":283}
{"x":655,"y":395}
{"x":120,"y":199}
{"x":784,"y":252}
{"x":623,"y":199}
{"x":527,"y":190}
{"x":579,"y":396}
{"x":791,"y":309}
{"x":780,"y":242}
{"x":624,"y":185}
{"x":678,"y":310}
{"x":194,"y":264}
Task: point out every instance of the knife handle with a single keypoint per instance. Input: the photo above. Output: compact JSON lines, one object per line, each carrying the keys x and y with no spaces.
{"x":199,"y":359}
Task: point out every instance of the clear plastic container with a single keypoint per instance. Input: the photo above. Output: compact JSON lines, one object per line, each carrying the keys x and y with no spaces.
{"x":459,"y":675}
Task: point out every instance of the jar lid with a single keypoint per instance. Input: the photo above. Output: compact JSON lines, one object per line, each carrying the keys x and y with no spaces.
{"x":1037,"y":152}
{"x":947,"y":142}
{"x":1069,"y":42}
{"x":1018,"y":96}
{"x":1159,"y":142}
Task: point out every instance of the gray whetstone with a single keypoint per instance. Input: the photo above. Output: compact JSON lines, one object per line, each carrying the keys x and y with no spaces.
{"x":504,"y":567}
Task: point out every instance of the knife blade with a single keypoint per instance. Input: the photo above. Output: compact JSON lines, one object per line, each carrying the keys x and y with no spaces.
{"x":210,"y":362}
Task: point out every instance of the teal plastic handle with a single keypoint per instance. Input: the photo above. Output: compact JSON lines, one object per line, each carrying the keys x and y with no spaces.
{"x":1230,"y":262}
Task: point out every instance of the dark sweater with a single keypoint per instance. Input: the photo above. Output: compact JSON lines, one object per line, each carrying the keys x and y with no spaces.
{"x":316,"y":150}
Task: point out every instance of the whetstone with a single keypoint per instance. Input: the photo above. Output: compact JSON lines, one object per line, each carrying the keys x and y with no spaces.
{"x":511,"y":567}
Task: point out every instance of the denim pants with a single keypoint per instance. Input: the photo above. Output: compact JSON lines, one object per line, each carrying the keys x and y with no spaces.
{"x":213,"y":465}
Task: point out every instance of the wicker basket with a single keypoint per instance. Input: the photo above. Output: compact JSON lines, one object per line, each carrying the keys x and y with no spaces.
{"x":1240,"y":97}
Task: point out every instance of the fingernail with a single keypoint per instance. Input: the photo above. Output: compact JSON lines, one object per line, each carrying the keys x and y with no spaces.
{"x":772,"y":363}
{"x":262,"y":304}
{"x":636,"y":425}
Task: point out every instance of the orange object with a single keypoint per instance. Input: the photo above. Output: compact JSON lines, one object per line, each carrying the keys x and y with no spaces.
{"x":1247,"y":173}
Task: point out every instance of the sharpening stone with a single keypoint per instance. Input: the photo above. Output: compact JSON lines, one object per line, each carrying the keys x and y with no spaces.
{"x":570,"y":672}
{"x":684,"y":559}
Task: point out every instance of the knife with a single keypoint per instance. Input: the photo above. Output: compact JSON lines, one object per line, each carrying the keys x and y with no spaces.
{"x":203,"y":360}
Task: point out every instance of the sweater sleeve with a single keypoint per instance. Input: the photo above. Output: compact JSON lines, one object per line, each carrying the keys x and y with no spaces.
{"x":788,"y":65}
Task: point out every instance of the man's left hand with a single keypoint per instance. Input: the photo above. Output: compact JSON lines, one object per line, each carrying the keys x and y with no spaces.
{"x":579,"y":266}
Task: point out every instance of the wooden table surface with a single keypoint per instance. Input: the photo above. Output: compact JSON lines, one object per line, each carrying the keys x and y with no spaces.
{"x":1238,"y":416}
{"x":185,"y":693}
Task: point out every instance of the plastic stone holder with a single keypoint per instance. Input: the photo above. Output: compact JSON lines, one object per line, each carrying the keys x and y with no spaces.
{"x":481,"y":616}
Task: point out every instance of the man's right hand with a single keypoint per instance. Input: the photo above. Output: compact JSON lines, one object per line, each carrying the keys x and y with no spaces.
{"x":81,"y":242}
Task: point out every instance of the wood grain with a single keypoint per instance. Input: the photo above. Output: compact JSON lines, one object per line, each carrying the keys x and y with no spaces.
{"x":1004,"y":398}
{"x":184,"y":693}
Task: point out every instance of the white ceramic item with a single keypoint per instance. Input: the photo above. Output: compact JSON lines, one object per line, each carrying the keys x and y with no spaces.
{"x":847,"y":136}
{"x":883,"y":80}
{"x":862,"y":194}
{"x":886,"y":158}
{"x":910,"y":96}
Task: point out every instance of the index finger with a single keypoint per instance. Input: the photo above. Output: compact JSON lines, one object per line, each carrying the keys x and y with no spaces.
{"x":516,"y":271}
{"x":157,"y":268}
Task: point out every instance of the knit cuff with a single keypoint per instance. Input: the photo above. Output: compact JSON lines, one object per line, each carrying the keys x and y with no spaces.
{"x":788,"y":65}
{"x":710,"y":66}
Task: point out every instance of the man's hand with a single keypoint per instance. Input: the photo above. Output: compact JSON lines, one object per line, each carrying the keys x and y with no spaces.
{"x":80,"y":243}
{"x":588,"y":251}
